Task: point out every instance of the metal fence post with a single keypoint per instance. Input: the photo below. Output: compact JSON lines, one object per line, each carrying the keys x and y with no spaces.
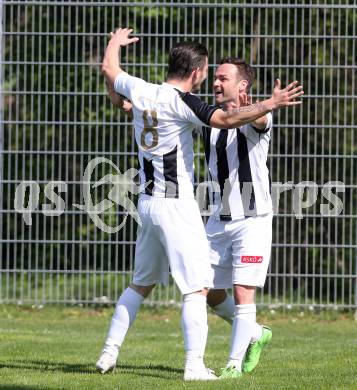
{"x":1,"y":141}
{"x":355,"y":273}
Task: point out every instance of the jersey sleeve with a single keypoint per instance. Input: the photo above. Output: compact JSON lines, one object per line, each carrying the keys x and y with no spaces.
{"x":268,"y":126}
{"x":195,"y":110}
{"x":124,"y":84}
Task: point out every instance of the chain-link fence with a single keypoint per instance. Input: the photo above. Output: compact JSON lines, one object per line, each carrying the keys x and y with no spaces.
{"x":56,"y":119}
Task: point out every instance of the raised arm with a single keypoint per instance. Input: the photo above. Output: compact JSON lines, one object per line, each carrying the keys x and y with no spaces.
{"x":111,"y":63}
{"x":240,"y":116}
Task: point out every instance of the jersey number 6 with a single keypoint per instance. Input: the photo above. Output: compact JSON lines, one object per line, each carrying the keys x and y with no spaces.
{"x":149,"y":128}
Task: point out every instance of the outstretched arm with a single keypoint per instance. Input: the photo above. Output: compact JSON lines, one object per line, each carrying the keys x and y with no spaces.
{"x":236,"y":117}
{"x":240,"y":116}
{"x":111,"y":63}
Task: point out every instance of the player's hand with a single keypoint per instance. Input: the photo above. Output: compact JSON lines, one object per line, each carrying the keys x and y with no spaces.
{"x":288,"y":95}
{"x":243,"y":99}
{"x":121,"y":37}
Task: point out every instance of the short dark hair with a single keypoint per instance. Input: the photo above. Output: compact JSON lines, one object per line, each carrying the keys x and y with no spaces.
{"x":184,"y":58}
{"x":245,"y":71}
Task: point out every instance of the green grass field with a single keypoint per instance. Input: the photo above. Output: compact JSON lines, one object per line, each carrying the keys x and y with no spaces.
{"x":56,"y":348}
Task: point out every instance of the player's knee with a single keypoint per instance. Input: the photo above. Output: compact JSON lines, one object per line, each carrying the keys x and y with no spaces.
{"x":142,"y":290}
{"x":202,"y":292}
{"x":215,"y":297}
{"x":195,"y":295}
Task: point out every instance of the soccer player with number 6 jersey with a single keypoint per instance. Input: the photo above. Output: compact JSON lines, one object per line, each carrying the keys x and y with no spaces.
{"x":172,"y":234}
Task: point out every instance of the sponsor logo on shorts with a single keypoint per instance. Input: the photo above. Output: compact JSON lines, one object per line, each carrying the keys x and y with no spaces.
{"x":252,"y":259}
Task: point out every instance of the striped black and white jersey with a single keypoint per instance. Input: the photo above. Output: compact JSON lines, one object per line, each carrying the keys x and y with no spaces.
{"x":163,"y":131}
{"x":237,"y":163}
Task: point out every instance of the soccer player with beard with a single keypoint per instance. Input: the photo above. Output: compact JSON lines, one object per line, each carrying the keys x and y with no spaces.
{"x":172,"y":233}
{"x":240,"y":230}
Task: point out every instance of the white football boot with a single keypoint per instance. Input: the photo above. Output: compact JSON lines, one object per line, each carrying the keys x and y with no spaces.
{"x":199,"y":374}
{"x":106,"y":363}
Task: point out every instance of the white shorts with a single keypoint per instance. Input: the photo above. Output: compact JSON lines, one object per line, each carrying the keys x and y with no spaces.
{"x":240,"y":250}
{"x":172,"y":235}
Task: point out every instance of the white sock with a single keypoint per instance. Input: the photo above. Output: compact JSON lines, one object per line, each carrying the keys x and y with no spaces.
{"x":244,"y":319}
{"x":195,"y":329}
{"x":257,"y":332}
{"x":226,"y":309}
{"x":124,"y":315}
